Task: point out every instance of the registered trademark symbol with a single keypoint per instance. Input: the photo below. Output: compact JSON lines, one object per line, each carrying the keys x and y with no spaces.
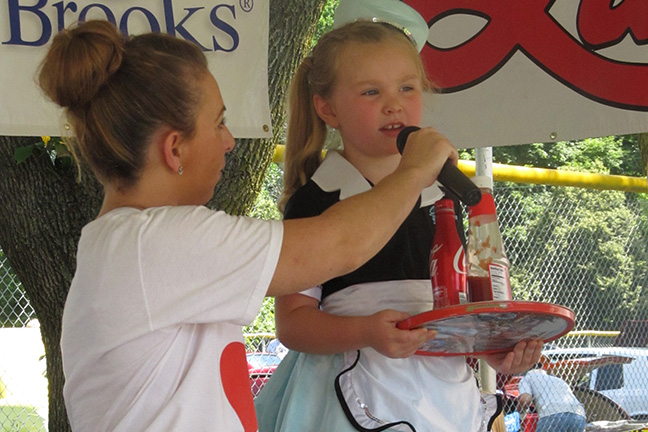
{"x":246,"y":5}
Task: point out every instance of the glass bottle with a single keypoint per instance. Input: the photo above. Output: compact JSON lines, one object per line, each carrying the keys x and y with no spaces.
{"x":447,"y":258}
{"x":488,"y":265}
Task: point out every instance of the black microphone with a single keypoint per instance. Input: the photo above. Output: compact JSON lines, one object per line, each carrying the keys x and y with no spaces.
{"x":453,"y":180}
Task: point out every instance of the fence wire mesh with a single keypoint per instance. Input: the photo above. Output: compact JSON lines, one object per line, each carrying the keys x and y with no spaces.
{"x":583,"y":249}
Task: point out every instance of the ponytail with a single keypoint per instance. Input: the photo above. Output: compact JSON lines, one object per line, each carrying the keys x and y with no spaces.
{"x":306,"y":134}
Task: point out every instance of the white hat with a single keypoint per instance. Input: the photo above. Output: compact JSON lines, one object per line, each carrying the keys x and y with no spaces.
{"x":393,"y":12}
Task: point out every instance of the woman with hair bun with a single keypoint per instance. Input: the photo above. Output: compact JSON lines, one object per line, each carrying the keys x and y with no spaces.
{"x":152,"y":323}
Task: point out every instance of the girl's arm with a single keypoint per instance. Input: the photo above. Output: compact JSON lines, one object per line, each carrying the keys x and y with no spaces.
{"x":302,"y":326}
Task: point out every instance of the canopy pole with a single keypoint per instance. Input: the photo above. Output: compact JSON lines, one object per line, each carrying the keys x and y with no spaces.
{"x":484,"y":161}
{"x":484,"y":167}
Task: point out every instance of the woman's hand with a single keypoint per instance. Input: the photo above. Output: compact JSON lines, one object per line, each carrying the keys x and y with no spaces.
{"x":521,"y":358}
{"x":389,"y":340}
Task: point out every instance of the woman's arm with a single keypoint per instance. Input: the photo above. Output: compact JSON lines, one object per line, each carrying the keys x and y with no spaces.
{"x":350,"y":232}
{"x":302,"y":326}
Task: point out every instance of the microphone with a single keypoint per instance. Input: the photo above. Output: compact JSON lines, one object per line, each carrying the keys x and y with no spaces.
{"x":453,"y":180}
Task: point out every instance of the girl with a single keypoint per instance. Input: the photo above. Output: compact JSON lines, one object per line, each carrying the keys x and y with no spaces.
{"x":355,"y":369}
{"x":151,"y":334}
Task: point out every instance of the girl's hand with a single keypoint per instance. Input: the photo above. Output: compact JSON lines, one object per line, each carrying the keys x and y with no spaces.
{"x":390,"y":341}
{"x":522,"y":358}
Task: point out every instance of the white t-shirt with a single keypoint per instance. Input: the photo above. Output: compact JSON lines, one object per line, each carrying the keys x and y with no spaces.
{"x":152,"y":324}
{"x":551,"y":395}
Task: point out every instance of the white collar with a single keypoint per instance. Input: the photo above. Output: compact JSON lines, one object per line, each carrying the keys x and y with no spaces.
{"x":336,"y":173}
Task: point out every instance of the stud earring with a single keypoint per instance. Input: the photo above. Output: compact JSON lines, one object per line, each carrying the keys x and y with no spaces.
{"x":180,"y":170}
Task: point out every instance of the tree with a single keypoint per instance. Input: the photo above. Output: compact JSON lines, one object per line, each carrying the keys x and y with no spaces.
{"x":43,"y":207}
{"x":572,"y":246}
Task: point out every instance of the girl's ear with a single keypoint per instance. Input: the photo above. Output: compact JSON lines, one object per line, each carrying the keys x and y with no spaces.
{"x":171,"y":146}
{"x":325,"y":111}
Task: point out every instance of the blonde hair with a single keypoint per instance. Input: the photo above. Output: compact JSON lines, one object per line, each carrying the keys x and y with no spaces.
{"x":316,"y":75}
{"x":118,"y":91}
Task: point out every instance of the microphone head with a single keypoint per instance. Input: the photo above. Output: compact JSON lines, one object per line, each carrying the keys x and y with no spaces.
{"x":401,"y":140}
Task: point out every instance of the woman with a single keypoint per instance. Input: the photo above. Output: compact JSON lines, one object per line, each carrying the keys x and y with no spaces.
{"x":152,"y":323}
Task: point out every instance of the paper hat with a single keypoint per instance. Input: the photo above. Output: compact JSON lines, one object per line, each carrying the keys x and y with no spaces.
{"x":393,"y":12}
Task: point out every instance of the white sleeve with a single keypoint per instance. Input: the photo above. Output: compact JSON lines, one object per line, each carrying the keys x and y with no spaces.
{"x":201,"y":266}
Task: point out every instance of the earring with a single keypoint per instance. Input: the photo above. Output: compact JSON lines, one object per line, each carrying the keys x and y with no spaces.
{"x":180,"y":170}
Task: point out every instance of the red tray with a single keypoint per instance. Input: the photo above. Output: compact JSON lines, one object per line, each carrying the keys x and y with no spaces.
{"x":489,"y":327}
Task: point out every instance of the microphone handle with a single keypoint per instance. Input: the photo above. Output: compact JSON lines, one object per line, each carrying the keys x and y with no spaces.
{"x":457,"y":183}
{"x":451,"y":177}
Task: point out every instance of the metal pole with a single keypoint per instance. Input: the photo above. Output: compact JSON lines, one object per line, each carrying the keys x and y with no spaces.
{"x":484,"y":167}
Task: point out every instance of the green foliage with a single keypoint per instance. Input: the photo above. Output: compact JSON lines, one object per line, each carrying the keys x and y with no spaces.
{"x":265,"y":320}
{"x":325,"y":22}
{"x":266,"y":203}
{"x":55,"y":147}
{"x":607,"y":155}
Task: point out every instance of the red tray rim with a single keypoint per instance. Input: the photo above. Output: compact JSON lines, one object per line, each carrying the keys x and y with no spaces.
{"x":502,"y":306}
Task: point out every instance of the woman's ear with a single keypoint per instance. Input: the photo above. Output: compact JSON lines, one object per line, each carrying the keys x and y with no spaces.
{"x":171,"y":145}
{"x":325,"y":111}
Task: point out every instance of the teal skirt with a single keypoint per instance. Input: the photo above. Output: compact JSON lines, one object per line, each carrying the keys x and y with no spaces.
{"x":301,"y":394}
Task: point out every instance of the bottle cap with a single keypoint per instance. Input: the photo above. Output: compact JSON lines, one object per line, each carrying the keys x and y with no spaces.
{"x":485,"y":207}
{"x":483,"y":182}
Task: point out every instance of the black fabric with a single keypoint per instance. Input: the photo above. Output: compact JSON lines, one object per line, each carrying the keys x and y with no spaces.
{"x":406,"y":255}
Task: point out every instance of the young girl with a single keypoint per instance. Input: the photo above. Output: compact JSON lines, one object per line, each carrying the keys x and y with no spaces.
{"x":351,"y":368}
{"x":151,"y":334}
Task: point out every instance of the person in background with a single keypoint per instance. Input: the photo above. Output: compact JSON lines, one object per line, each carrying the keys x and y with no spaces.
{"x":557,"y":407}
{"x":350,"y":367}
{"x":151,"y":336}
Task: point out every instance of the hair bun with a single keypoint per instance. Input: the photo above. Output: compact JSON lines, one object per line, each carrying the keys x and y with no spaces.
{"x":80,"y":62}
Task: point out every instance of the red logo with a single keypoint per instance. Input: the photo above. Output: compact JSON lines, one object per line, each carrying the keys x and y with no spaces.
{"x":527,"y":26}
{"x":236,"y":383}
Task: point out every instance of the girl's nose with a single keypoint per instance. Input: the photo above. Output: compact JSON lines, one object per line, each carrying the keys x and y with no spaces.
{"x":392,"y":105}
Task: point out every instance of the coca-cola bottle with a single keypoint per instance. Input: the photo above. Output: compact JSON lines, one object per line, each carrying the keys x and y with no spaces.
{"x":488,"y":266}
{"x":447,"y":258}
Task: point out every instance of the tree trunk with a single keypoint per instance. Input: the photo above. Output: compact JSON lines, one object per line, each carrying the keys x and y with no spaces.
{"x":43,"y":208}
{"x":42,"y":211}
{"x":643,"y":148}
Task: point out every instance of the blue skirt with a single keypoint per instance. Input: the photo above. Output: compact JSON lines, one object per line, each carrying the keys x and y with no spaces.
{"x":289,"y":403}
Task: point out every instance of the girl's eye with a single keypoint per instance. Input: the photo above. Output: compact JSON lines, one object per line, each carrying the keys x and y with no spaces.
{"x":371,"y":92}
{"x":407,"y":88}
{"x":222,"y":123}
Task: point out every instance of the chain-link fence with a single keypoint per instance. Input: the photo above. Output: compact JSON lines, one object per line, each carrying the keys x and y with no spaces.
{"x":586,"y":250}
{"x":23,"y":386}
{"x":583,"y":249}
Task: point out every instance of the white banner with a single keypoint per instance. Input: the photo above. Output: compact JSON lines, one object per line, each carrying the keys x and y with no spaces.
{"x":524,"y":71}
{"x":233,"y":35}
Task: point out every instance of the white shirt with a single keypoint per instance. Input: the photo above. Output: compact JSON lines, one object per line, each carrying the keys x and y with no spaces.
{"x":152,"y":324}
{"x":551,"y":395}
